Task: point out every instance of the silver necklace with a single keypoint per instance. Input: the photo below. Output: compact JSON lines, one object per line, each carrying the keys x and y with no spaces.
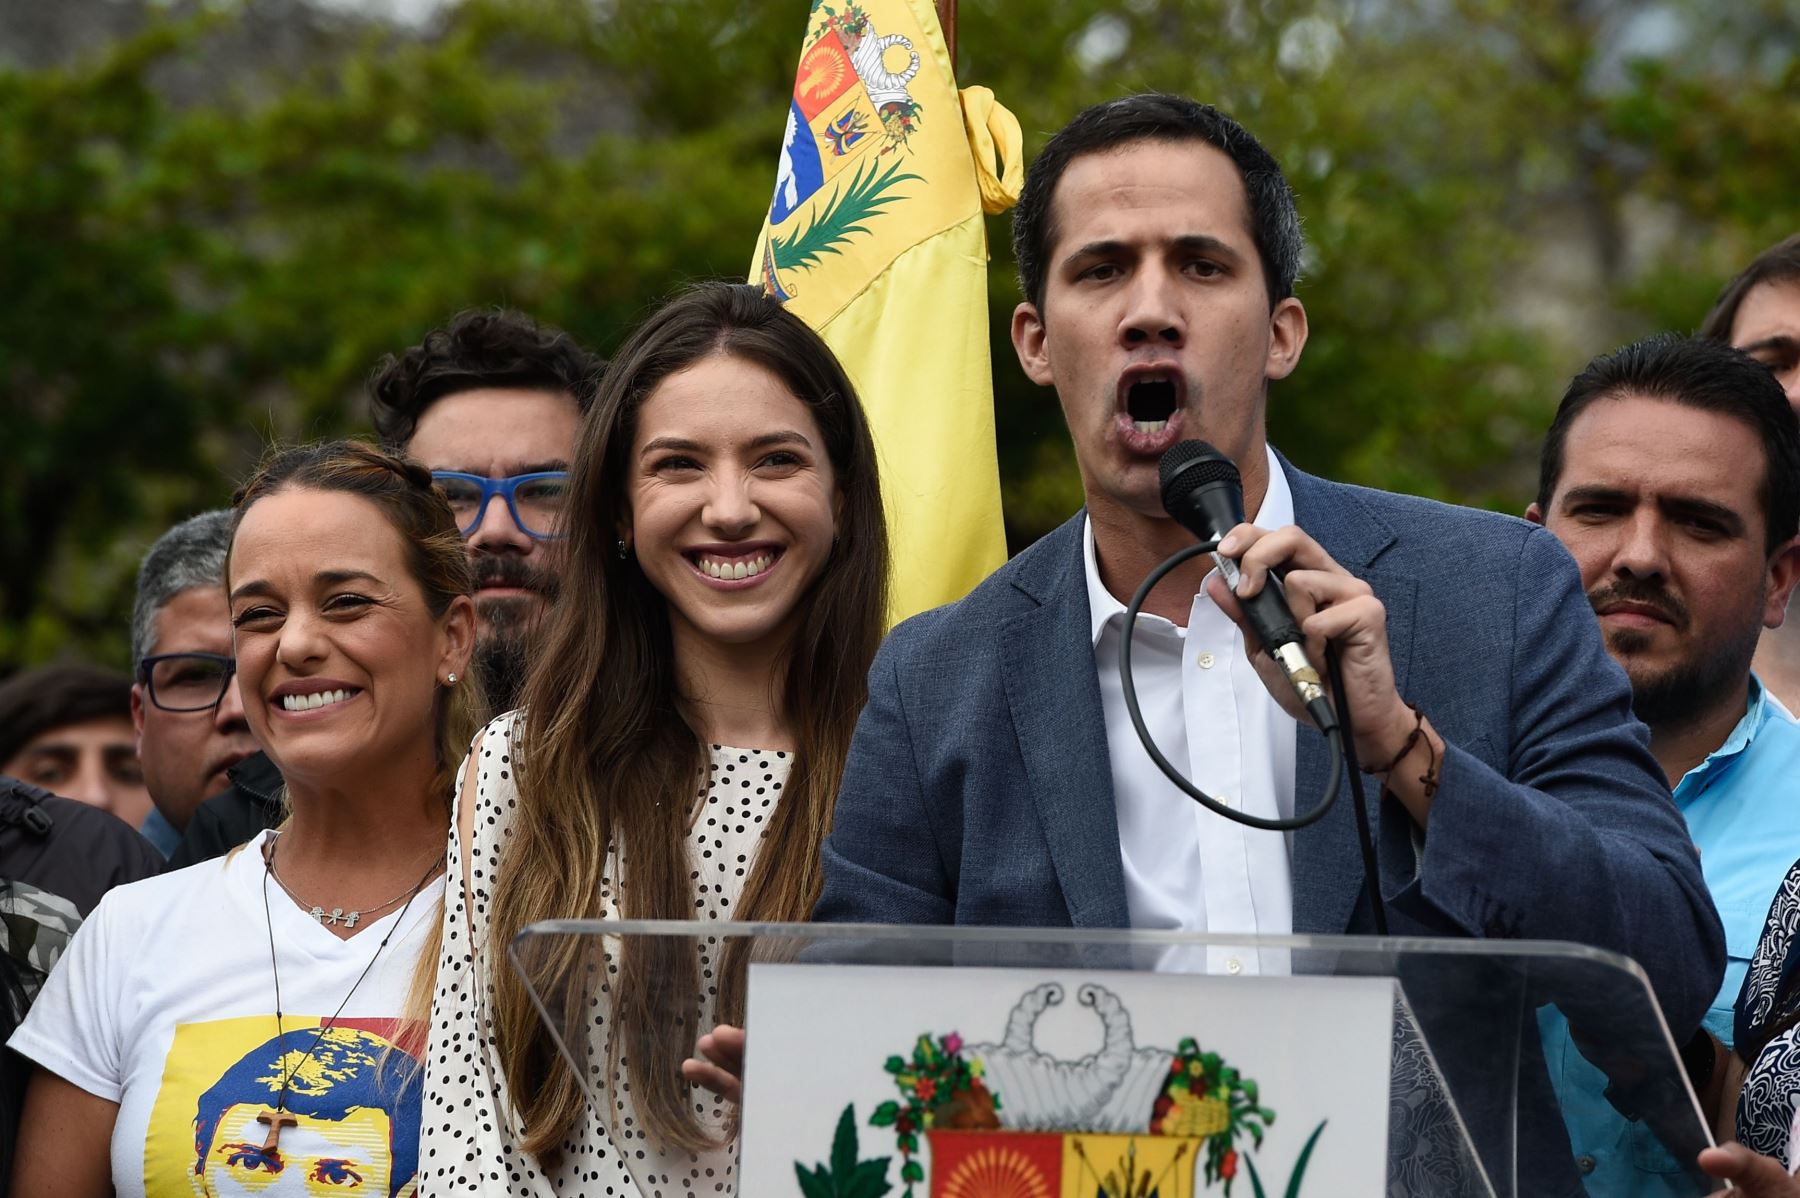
{"x":337,"y":914}
{"x":279,"y":1118}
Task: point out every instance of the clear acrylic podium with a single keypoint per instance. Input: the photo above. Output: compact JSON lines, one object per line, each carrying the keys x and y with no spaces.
{"x":1454,"y":1053}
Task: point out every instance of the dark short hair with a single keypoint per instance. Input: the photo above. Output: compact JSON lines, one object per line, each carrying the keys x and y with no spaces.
{"x":1154,"y":116}
{"x":1780,"y":263}
{"x":477,"y":350}
{"x":36,"y":701}
{"x":1696,"y":373}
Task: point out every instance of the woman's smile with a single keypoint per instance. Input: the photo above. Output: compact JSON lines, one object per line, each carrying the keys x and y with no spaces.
{"x":734,"y":568}
{"x":308,"y":697}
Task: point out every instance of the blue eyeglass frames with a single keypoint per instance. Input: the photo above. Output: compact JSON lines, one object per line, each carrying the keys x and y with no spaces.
{"x":535,"y":500}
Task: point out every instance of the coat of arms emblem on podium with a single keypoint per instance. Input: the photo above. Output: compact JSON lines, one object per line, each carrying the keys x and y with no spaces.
{"x":1002,"y":1119}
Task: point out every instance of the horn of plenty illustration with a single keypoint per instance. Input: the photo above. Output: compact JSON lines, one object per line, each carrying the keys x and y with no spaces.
{"x":884,"y":86}
{"x":1111,"y":1090}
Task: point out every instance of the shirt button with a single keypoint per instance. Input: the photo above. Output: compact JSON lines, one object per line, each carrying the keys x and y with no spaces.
{"x":1234,"y":966}
{"x":1586,"y":1164}
{"x":1205,"y":661}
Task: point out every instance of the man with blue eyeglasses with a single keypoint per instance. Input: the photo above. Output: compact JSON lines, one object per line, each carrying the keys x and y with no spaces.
{"x":491,"y":404}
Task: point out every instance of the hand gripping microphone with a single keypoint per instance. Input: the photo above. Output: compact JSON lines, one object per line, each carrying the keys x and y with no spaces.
{"x":1201,"y":491}
{"x":1200,"y":488}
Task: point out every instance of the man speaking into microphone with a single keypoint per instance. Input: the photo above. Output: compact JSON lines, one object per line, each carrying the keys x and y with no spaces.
{"x":996,"y":777}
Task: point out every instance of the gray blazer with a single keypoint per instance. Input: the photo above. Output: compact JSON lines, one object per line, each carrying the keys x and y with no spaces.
{"x":979,"y":791}
{"x":978,"y":788}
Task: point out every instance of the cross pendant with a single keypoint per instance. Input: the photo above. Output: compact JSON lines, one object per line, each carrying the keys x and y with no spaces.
{"x":275,"y":1121}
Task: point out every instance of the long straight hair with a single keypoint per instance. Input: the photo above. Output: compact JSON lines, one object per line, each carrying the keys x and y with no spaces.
{"x":610,"y":757}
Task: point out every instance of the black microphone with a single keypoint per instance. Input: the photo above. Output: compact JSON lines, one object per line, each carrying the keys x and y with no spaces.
{"x":1202,"y":491}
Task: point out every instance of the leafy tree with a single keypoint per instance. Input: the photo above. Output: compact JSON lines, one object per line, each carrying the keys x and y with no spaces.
{"x":211,"y":228}
{"x":195,"y":280}
{"x":92,"y":356}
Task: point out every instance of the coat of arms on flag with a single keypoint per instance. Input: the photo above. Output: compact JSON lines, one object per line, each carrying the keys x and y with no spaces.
{"x":848,"y":154}
{"x":847,"y":102}
{"x":1005,"y":1120}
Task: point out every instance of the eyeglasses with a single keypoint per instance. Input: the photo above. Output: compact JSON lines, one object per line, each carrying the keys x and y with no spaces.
{"x":535,"y":500}
{"x":186,"y":681}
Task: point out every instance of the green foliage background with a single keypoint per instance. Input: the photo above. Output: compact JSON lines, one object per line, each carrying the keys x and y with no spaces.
{"x":213,"y":224}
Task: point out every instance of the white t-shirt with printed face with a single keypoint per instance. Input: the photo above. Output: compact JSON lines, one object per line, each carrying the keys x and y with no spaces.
{"x":165,"y":1004}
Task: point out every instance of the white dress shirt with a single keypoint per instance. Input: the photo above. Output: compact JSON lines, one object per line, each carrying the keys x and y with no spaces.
{"x":1209,"y":713}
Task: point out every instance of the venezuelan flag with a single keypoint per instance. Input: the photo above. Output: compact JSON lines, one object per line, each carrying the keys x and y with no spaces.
{"x":875,"y":238}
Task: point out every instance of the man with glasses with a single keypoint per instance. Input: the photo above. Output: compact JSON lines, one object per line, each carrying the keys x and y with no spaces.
{"x":191,"y":734}
{"x":491,"y":404}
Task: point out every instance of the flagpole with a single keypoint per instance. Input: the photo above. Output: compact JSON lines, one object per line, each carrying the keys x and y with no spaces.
{"x":946,"y":10}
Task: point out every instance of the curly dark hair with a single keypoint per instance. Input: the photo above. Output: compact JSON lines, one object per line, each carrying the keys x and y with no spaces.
{"x":477,"y":349}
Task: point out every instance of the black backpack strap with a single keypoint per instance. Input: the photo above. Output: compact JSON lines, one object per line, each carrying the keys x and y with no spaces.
{"x":21,"y":804}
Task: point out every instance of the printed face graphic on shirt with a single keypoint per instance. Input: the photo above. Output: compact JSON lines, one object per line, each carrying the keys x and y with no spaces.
{"x":349,"y":1118}
{"x":314,"y":1157}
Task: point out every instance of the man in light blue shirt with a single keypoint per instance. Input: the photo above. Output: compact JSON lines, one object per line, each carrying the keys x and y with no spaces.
{"x":1739,"y":804}
{"x":1672,"y":474}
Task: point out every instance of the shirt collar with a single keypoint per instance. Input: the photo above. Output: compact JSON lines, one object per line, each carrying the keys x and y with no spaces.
{"x":1757,"y":713}
{"x":1277,"y":511}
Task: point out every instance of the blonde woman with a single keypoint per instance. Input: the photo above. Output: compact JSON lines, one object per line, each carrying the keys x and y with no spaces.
{"x":239,"y":1026}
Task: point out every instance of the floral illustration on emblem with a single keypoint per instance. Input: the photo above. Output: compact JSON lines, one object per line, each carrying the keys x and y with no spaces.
{"x":940,"y":1088}
{"x":1206,"y":1098}
{"x":850,"y":24}
{"x":898,"y":122}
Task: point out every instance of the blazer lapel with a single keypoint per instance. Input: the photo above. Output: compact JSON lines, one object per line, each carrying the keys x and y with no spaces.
{"x":1054,"y":697}
{"x":1327,"y":870}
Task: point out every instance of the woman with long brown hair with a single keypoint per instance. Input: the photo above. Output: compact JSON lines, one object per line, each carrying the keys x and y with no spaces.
{"x":689,"y":714}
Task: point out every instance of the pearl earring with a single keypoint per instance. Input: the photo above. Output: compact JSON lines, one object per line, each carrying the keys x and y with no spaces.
{"x":451,"y":681}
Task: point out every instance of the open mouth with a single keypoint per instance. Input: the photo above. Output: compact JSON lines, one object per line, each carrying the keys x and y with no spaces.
{"x":1150,"y":407}
{"x":319,"y":699}
{"x":1150,"y":402}
{"x":734,"y":567}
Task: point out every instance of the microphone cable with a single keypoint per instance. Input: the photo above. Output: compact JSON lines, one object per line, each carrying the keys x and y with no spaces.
{"x":1340,"y":738}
